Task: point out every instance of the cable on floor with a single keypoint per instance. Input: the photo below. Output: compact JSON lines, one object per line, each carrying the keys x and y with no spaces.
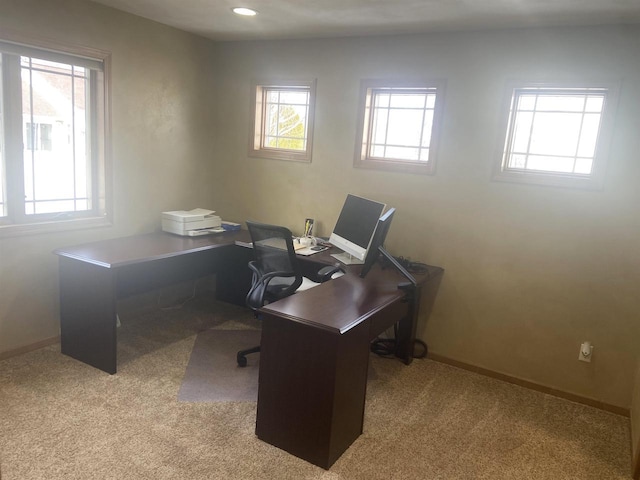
{"x":178,"y":306}
{"x":386,"y":347}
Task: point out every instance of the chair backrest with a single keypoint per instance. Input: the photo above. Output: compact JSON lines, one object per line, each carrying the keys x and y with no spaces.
{"x":274,"y":252}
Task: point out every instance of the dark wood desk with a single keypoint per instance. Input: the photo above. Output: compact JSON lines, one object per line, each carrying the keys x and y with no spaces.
{"x":315,"y":355}
{"x":315,"y":344}
{"x":94,"y":276}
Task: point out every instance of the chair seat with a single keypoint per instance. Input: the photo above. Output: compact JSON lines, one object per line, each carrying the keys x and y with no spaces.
{"x":307,"y":284}
{"x":276,"y":271}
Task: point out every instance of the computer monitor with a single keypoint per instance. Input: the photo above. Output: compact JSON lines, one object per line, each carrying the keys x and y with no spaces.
{"x":384,"y":223}
{"x":376,"y":249}
{"x":354,"y":229}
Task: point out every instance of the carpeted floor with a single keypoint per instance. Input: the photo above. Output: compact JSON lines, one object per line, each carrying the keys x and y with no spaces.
{"x":61,"y":419}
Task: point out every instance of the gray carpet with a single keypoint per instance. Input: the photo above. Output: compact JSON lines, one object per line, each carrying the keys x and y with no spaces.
{"x":63,"y":420}
{"x":213,"y":375}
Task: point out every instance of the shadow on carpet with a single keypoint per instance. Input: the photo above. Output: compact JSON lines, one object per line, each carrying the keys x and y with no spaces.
{"x":213,"y":375}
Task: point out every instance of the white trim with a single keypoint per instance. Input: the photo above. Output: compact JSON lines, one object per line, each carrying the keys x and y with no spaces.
{"x":594,"y":180}
{"x":256,"y":132}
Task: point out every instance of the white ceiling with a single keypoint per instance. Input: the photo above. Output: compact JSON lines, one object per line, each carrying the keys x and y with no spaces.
{"x":287,"y":19}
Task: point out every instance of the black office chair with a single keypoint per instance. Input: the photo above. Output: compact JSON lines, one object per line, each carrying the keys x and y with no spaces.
{"x":276,"y":271}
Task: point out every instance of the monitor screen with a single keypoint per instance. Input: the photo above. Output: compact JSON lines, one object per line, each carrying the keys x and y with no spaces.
{"x":376,"y":249}
{"x":355,"y":227}
{"x":378,"y":241}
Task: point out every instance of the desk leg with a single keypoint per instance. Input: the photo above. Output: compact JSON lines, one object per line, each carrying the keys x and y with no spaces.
{"x":407,"y":327}
{"x":312,"y":388}
{"x":425,"y":295}
{"x":88,"y":313}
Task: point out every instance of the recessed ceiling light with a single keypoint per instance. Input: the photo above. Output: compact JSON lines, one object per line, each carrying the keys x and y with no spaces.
{"x":247,"y":12}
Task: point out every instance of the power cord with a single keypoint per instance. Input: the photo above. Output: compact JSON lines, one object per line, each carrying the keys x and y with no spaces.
{"x":412,"y":267}
{"x":409,"y":265}
{"x":386,"y":347}
{"x":178,"y":305}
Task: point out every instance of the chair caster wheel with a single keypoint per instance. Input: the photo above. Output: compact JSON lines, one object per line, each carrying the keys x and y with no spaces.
{"x":242,"y":361}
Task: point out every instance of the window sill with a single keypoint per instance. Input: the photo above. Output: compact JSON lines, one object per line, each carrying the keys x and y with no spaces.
{"x":423,"y":168}
{"x":16,"y":230}
{"x":549,"y":179}
{"x":302,"y":157}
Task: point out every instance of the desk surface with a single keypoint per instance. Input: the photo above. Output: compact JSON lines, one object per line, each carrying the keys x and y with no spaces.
{"x":352,"y":299}
{"x":339,"y":304}
{"x":118,"y":252}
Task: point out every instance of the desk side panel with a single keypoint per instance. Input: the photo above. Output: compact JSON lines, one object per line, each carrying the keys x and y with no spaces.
{"x":88,"y":313}
{"x":229,"y":263}
{"x":420,"y":307}
{"x":233,"y":277}
{"x":352,"y":368}
{"x":312,"y":389}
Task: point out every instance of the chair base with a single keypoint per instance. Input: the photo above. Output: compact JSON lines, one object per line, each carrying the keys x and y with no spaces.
{"x":241,"y":356}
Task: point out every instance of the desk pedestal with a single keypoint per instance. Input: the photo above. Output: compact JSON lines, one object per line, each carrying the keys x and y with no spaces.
{"x":88,"y":313}
{"x":315,"y":356}
{"x":312,"y":388}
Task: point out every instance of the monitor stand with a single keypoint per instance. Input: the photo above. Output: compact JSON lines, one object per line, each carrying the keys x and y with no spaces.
{"x":347,"y":258}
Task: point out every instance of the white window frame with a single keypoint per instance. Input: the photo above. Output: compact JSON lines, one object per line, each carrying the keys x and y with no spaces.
{"x":368,"y":89}
{"x":594,"y":180}
{"x":259,"y":91}
{"x":17,"y":222}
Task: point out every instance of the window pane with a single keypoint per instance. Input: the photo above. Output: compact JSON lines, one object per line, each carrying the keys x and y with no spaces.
{"x":568,"y":103}
{"x":427,"y":128}
{"x":583,"y":165}
{"x":594,"y":104}
{"x":589,"y":135}
{"x":403,"y":153}
{"x":81,"y":147}
{"x":294,"y":98}
{"x":550,"y":164}
{"x":381,"y":100}
{"x":526,"y":102}
{"x":378,"y":151}
{"x":271,"y":127}
{"x":522,"y":131}
{"x":518,"y":161}
{"x":398,"y":126}
{"x":286,"y":114}
{"x":54,"y":118}
{"x":431,"y":101}
{"x":379,"y":133}
{"x":401,"y":123}
{"x":554,"y":132}
{"x":405,"y":127}
{"x":407,"y":101}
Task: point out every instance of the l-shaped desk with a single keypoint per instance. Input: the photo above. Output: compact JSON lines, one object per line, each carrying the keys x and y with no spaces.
{"x":315,"y":344}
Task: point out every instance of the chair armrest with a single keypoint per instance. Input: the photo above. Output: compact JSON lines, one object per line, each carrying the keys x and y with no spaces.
{"x":325,"y":273}
{"x":260,"y":283}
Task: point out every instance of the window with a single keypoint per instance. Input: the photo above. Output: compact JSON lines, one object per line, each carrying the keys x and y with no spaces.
{"x":398,"y":125}
{"x":38,"y":136}
{"x":283,"y":120}
{"x":556,"y":135}
{"x":53,"y":138}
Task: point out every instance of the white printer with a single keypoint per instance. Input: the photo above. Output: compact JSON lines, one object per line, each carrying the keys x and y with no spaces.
{"x":198,"y":221}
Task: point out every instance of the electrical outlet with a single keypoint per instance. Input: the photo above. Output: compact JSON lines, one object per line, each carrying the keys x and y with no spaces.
{"x":586,"y":351}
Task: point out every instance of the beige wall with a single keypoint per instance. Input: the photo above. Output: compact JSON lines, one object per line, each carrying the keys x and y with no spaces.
{"x":162,"y":144}
{"x":531,"y":272}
